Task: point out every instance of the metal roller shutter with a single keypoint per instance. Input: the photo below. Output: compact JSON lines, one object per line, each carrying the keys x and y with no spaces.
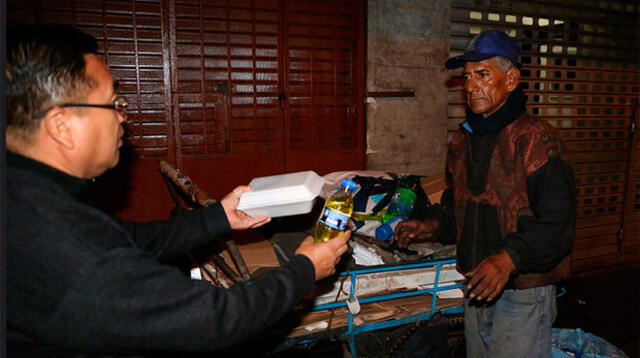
{"x":581,"y":73}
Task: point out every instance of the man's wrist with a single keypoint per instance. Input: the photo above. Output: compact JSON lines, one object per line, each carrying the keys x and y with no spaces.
{"x":513,"y":260}
{"x":431,"y":226}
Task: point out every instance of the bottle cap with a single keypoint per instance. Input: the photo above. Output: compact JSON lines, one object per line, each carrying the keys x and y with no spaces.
{"x":348,"y":183}
{"x":385,"y":231}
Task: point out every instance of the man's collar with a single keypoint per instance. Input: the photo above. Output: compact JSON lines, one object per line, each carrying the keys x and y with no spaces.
{"x":510,"y":110}
{"x":75,"y":186}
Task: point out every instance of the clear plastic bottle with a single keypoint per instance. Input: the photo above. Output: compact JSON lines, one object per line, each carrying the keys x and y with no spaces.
{"x":336,"y":213}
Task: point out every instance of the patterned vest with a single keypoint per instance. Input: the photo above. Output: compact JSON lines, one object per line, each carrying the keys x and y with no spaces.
{"x":522,"y":148}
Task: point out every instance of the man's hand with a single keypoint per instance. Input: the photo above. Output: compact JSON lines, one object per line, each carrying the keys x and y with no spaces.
{"x":487,"y":280}
{"x":325,"y":255}
{"x":239,"y":220}
{"x":415,"y":231}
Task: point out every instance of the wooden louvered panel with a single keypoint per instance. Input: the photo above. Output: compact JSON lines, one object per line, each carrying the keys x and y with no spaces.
{"x":630,"y":243}
{"x":227,"y":77}
{"x":595,"y":263}
{"x":131,"y":41}
{"x":130,"y":34}
{"x":320,"y":77}
{"x":20,"y":12}
{"x":581,"y":76}
{"x":584,"y":222}
{"x":226,"y":91}
{"x":206,"y":82}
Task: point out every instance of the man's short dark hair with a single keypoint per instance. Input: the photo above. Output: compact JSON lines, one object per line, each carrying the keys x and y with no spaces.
{"x":45,"y":66}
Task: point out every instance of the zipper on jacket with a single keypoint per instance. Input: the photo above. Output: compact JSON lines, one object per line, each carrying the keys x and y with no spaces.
{"x":499,"y":216}
{"x":476,"y":204}
{"x":475,"y":235}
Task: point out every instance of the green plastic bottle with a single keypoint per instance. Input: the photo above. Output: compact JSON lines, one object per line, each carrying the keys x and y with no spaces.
{"x":403,"y":198}
{"x":336,"y":213}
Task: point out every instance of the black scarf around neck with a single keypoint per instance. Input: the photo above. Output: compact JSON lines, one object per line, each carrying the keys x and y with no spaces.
{"x":510,"y":110}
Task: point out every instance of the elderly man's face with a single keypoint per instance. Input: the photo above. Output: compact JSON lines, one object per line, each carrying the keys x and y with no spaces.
{"x":99,"y":129}
{"x":486,"y":86}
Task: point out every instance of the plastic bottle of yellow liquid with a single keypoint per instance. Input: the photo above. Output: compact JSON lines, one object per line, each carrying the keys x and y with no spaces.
{"x":336,"y":213}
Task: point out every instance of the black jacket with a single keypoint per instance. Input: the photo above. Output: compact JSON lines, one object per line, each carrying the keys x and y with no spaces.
{"x":80,"y":283}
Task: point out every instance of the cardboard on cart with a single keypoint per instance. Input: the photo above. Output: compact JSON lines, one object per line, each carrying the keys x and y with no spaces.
{"x":375,"y":300}
{"x":282,"y":195}
{"x":434,"y":186}
{"x":390,"y":281}
{"x":256,"y":254}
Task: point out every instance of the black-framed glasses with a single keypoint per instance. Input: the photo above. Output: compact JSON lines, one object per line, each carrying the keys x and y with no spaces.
{"x":120,"y":105}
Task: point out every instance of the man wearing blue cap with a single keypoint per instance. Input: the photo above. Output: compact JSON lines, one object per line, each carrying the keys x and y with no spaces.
{"x":509,"y":206}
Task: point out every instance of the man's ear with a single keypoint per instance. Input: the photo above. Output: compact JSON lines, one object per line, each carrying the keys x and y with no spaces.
{"x":57,"y":125}
{"x":513,"y":79}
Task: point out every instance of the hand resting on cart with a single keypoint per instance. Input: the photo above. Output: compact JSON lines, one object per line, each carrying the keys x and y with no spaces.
{"x":415,"y":231}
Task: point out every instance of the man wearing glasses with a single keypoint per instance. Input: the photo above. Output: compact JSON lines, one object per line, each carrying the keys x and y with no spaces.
{"x":79,"y":282}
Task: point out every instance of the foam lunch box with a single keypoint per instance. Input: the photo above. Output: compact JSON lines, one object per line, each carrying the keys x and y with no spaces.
{"x":282,"y":195}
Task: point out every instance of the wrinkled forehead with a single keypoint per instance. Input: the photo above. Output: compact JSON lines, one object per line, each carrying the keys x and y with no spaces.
{"x":100,"y":72}
{"x":489,"y":64}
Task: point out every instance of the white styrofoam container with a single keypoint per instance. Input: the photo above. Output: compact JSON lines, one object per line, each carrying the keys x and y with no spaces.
{"x":282,"y":195}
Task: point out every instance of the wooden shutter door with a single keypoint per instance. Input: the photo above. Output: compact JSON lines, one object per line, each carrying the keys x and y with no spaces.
{"x":227,"y":116}
{"x":323,"y":85}
{"x":581,"y":74}
{"x":132,"y":38}
{"x":224,"y":90}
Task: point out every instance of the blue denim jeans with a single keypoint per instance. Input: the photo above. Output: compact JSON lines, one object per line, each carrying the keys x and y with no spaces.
{"x":517,"y":325}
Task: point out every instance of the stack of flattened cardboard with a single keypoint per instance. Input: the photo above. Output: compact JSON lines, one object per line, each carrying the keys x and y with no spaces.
{"x":373,"y":312}
{"x":433,"y":186}
{"x":377,"y":284}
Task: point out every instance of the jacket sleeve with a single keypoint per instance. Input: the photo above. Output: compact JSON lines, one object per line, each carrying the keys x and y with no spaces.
{"x":443,"y":213}
{"x":171,"y":238}
{"x":544,"y":236}
{"x":127,"y":303}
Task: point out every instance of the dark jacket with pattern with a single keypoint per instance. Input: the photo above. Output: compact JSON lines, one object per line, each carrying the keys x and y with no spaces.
{"x":518,"y":197}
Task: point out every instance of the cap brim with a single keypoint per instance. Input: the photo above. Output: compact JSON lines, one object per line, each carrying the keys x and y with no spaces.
{"x":471,"y":56}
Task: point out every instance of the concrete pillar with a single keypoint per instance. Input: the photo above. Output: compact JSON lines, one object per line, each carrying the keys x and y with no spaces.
{"x":407,"y":44}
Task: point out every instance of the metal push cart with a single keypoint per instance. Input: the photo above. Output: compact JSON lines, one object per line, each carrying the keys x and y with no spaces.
{"x":357,"y":301}
{"x":392,"y":306}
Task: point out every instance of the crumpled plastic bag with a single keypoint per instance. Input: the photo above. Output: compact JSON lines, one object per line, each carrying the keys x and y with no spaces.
{"x":365,"y":256}
{"x":576,"y":343}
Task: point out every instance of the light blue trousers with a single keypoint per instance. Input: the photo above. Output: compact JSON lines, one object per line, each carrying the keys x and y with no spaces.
{"x":518,"y":325}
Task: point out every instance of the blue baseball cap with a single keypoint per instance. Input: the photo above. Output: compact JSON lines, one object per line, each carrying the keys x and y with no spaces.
{"x":486,"y":45}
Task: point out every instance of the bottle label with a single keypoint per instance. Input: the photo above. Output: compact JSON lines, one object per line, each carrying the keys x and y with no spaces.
{"x":334,"y":219}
